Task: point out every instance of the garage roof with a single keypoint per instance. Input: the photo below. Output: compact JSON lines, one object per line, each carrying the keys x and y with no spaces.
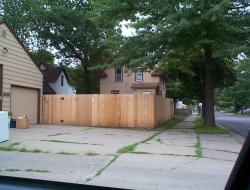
{"x":20,"y":42}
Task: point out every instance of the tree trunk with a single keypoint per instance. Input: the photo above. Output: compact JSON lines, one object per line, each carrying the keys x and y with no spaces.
{"x":235,"y":107}
{"x":209,"y":118}
{"x":202,"y":78}
{"x":203,"y":109}
{"x":87,"y":88}
{"x":175,"y":99}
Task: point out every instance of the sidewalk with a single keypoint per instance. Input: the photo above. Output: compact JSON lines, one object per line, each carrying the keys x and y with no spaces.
{"x":175,"y":159}
{"x":170,"y":161}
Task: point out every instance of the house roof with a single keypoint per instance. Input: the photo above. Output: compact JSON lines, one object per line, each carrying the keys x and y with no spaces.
{"x":156,"y":73}
{"x":20,"y":42}
{"x":144,"y":85}
{"x":102,"y":74}
{"x":47,"y":89}
{"x":52,"y":72}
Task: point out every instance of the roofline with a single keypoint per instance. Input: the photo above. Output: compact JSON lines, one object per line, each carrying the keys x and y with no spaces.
{"x":21,"y":43}
{"x":64,"y":71}
{"x":44,"y":82}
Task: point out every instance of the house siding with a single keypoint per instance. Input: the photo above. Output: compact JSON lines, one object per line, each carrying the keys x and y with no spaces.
{"x":18,"y":68}
{"x":65,"y":89}
{"x":107,"y":84}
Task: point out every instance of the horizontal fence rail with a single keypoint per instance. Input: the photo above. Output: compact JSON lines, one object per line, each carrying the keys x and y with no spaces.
{"x":119,"y":110}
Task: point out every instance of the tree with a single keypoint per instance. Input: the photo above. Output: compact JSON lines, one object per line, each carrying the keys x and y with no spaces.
{"x":22,"y":16}
{"x":190,"y":85}
{"x":237,"y":95}
{"x":43,"y":57}
{"x":77,"y":30}
{"x":179,"y":32}
{"x":76,"y":75}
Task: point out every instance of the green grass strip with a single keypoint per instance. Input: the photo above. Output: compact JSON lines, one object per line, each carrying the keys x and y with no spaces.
{"x":91,"y":154}
{"x":200,"y":128}
{"x":107,"y":165}
{"x":70,"y":142}
{"x":131,"y":148}
{"x":26,"y":170}
{"x":37,"y":170}
{"x":59,"y":141}
{"x":198,"y":148}
{"x":66,"y":153}
{"x":11,"y":148}
{"x":170,"y":123}
{"x":161,"y":128}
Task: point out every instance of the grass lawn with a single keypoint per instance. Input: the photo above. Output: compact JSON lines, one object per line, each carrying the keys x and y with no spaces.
{"x":200,"y":128}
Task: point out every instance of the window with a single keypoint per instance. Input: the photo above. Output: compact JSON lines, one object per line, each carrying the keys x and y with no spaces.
{"x":139,"y":74}
{"x":115,"y":92}
{"x":62,"y":80}
{"x":146,"y":92}
{"x":118,"y":74}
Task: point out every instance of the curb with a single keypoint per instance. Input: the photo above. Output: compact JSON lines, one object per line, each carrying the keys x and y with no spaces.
{"x":240,"y":139}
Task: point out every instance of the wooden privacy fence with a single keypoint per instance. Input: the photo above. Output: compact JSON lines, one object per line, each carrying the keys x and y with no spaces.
{"x":120,"y":110}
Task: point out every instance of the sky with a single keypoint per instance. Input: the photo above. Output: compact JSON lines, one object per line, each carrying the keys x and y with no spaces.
{"x":126,"y":29}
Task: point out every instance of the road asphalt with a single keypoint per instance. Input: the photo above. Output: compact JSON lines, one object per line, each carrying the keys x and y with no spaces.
{"x":237,"y":123}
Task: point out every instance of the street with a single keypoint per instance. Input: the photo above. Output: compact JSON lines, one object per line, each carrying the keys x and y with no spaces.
{"x":236,"y":123}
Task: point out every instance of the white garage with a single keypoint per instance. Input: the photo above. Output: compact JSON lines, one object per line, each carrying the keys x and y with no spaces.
{"x":25,"y":101}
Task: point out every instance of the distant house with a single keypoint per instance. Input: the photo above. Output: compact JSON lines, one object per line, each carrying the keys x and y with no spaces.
{"x":121,"y":80}
{"x":55,"y":80}
{"x":21,"y":81}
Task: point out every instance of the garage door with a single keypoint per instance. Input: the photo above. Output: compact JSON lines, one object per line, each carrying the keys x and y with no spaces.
{"x":24,"y":101}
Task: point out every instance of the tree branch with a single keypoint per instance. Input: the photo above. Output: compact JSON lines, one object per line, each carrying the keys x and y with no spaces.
{"x":241,"y":7}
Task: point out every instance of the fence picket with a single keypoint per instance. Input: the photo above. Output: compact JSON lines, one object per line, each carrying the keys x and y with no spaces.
{"x":120,"y":110}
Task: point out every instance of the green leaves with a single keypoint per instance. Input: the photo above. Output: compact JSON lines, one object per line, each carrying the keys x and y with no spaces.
{"x":43,"y":57}
{"x":239,"y":93}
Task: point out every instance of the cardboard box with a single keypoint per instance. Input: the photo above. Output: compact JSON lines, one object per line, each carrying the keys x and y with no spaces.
{"x":22,"y":123}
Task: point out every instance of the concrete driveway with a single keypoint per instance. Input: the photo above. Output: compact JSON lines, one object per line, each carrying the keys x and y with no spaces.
{"x":136,"y":159}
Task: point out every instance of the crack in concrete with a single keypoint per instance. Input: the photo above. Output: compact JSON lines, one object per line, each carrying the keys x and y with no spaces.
{"x":86,"y":129}
{"x":69,"y":142}
{"x":116,"y":156}
{"x":58,"y":134}
{"x":161,"y":142}
{"x":98,"y":173}
{"x":186,"y":163}
{"x":219,"y":150}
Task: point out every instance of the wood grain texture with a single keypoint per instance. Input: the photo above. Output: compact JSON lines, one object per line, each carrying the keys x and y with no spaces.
{"x":109,"y":110}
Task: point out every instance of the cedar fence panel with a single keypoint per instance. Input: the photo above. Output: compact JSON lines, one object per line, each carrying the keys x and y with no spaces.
{"x":120,"y":110}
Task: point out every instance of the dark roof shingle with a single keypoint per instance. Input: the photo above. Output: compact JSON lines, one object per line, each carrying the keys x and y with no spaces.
{"x":102,"y":74}
{"x":47,"y":89}
{"x":52,"y":72}
{"x":156,"y":73}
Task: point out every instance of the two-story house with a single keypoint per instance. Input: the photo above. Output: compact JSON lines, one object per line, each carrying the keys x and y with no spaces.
{"x":121,"y":80}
